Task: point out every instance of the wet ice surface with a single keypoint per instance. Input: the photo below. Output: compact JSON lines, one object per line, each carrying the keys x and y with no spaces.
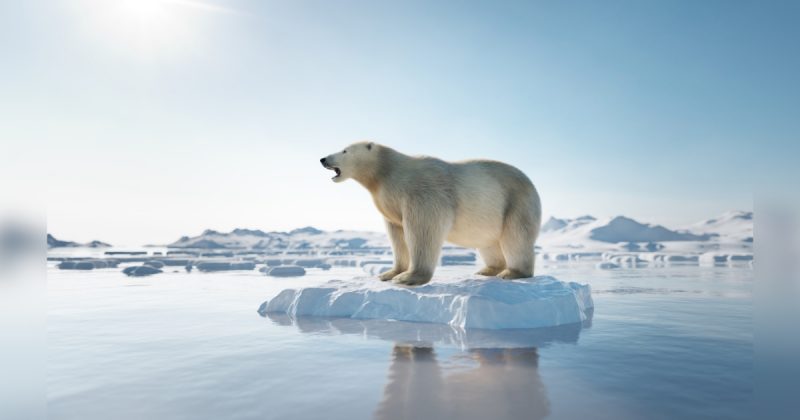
{"x":662,"y":342}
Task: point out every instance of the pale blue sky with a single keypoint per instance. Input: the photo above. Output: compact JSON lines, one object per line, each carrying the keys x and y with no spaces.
{"x":152,"y":119}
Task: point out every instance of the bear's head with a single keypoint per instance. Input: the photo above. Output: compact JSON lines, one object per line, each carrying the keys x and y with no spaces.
{"x":355,"y":160}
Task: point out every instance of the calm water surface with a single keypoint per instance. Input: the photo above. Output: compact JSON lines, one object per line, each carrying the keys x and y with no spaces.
{"x":663,"y":342}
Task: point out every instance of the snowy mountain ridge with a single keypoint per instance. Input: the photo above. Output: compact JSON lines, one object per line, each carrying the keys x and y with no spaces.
{"x":588,"y":232}
{"x":730,"y":226}
{"x":302,"y":238}
{"x":52,"y":242}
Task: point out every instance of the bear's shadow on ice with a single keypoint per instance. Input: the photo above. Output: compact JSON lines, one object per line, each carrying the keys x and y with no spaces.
{"x":495,"y":376}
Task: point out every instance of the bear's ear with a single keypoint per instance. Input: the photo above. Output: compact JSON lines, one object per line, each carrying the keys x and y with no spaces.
{"x":369,"y":145}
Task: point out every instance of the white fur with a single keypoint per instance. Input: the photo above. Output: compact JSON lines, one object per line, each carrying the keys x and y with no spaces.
{"x":480,"y":204}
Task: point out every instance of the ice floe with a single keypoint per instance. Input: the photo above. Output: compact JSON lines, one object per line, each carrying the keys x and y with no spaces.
{"x":224,"y":266}
{"x":462,"y":302}
{"x":285,"y":271}
{"x":141,"y":271}
{"x":87,"y":264}
{"x":723,"y":258}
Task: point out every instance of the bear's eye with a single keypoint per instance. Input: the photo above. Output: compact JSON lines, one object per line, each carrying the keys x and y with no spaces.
{"x":344,"y":151}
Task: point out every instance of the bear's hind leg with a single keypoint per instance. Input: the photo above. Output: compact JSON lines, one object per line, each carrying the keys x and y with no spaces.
{"x":493,"y":258}
{"x":399,"y":249}
{"x":517,"y":242}
{"x":519,"y":260}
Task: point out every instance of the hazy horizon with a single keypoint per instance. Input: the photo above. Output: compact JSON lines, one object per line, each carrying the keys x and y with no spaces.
{"x":380,"y":228}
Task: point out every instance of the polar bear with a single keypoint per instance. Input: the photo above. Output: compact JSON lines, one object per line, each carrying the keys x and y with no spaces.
{"x":426,"y":201}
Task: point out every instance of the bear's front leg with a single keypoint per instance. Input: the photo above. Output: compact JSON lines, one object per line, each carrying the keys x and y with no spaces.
{"x":388,"y":275}
{"x":399,"y":249}
{"x":413,"y":278}
{"x":424,"y":235}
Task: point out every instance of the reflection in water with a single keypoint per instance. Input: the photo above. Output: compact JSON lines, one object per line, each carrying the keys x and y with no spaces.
{"x":504,"y":384}
{"x":496,"y":375}
{"x":422,"y":334}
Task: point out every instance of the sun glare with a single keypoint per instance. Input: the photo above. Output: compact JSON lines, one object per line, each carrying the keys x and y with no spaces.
{"x":148,"y":28}
{"x":144,"y":11}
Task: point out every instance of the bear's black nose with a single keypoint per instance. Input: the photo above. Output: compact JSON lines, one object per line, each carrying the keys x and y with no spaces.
{"x":322,"y":161}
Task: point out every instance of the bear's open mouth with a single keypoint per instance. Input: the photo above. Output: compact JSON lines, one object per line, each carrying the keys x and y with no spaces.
{"x":332,"y":168}
{"x":337,"y":170}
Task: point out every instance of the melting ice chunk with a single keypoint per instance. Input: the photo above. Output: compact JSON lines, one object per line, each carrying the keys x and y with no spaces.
{"x":466,"y":303}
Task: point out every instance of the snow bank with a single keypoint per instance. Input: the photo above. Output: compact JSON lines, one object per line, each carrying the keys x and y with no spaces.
{"x":464,"y":303}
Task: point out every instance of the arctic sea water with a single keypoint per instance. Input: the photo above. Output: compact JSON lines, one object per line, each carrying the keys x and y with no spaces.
{"x":662,"y":342}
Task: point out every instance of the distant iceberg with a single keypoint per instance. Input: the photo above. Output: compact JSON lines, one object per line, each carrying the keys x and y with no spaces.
{"x":464,"y":303}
